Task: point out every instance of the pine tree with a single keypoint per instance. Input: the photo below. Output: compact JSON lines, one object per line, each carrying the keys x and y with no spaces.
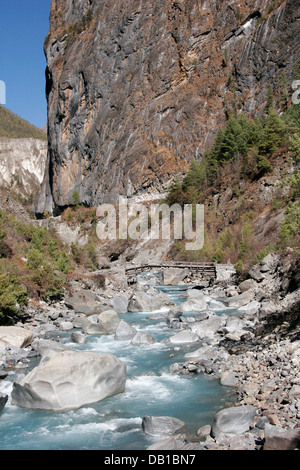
{"x":273,"y":133}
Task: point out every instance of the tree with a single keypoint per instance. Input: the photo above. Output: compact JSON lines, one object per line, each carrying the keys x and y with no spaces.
{"x":75,"y":199}
{"x":273,"y":133}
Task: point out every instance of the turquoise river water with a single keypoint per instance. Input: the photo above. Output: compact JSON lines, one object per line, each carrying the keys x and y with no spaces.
{"x":115,"y":423}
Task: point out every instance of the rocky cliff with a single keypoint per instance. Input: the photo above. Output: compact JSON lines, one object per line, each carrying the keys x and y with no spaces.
{"x":136,"y":90}
{"x":22,"y":164}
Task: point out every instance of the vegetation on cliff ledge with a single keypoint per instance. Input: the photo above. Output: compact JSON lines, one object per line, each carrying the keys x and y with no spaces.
{"x":244,"y":152}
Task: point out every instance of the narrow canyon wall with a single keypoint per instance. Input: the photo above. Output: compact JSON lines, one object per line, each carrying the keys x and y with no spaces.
{"x":136,"y":90}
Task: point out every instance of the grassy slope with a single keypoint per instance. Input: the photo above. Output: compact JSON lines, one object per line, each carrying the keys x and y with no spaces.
{"x":14,"y":127}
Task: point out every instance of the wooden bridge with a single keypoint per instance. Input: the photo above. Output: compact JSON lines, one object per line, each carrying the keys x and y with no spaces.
{"x":206,"y":270}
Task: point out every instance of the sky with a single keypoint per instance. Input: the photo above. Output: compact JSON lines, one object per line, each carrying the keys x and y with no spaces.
{"x":24,"y":25}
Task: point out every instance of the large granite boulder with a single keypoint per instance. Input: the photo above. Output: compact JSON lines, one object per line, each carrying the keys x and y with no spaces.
{"x":84,"y":301}
{"x":125,"y":332}
{"x":235,"y":420}
{"x":104,"y":324}
{"x":70,"y":380}
{"x":149,"y":301}
{"x":15,"y":336}
{"x":207,"y":329}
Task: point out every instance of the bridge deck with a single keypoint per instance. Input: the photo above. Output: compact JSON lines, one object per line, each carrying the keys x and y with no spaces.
{"x":208,"y":269}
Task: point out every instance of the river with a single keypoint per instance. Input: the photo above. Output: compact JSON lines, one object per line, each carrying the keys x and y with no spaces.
{"x":115,"y":423}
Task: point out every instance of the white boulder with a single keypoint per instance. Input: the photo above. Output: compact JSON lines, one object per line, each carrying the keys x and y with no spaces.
{"x":70,"y":380}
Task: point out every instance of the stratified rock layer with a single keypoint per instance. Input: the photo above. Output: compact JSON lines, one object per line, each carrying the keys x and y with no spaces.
{"x":136,"y":90}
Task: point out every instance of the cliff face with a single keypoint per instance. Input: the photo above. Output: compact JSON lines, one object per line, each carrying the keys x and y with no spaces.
{"x":22,"y":164}
{"x":137,"y":89}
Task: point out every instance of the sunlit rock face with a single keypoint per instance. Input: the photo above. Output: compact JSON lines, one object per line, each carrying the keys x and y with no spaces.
{"x":136,"y":90}
{"x":22,"y":164}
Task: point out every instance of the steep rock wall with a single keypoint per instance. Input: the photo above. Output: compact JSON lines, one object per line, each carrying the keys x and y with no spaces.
{"x":137,"y":89}
{"x":22,"y":164}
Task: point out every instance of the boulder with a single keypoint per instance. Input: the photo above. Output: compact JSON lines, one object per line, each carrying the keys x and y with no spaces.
{"x":44,"y":347}
{"x":78,"y":338}
{"x":251,"y":309}
{"x":84,"y":301}
{"x":270,"y":263}
{"x":125,"y":332}
{"x":216,"y":304}
{"x":148,"y":301}
{"x":229,"y":379}
{"x":240,"y":300}
{"x":184,"y":337}
{"x":277,"y":438}
{"x":172,"y":276}
{"x":161,"y":426}
{"x":248,"y":284}
{"x":170,"y":443}
{"x":3,"y":401}
{"x":194,"y":304}
{"x":235,"y":420}
{"x":93,"y":326}
{"x":15,"y":336}
{"x":208,"y":354}
{"x":110,"y":321}
{"x":70,"y":380}
{"x":120,"y":304}
{"x":142,"y":338}
{"x":104,"y":324}
{"x":207,"y":329}
{"x":66,"y":326}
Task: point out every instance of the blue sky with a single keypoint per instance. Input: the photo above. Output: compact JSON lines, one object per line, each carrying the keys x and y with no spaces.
{"x":24,"y":25}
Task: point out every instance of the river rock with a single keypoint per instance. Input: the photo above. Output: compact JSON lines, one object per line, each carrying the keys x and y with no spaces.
{"x":69,"y":381}
{"x":45,"y":347}
{"x":240,"y":300}
{"x":251,"y":308}
{"x":248,"y":284}
{"x":66,"y":326}
{"x":277,"y":438}
{"x":161,"y":426}
{"x":170,"y":443}
{"x":208,"y":354}
{"x":3,"y":401}
{"x":93,"y":326}
{"x":194,"y":305}
{"x":172,"y":276}
{"x":120,"y":304}
{"x":149,"y":301}
{"x":125,"y":332}
{"x":15,"y":336}
{"x":142,"y":338}
{"x":79,"y":338}
{"x":110,"y":321}
{"x":235,"y":420}
{"x":207,"y":329}
{"x":183,"y":337}
{"x":84,"y":301}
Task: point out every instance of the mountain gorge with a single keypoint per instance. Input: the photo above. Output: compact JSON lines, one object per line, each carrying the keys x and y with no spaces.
{"x":136,"y":91}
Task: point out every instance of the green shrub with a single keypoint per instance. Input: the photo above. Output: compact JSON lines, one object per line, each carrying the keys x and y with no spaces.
{"x":12,"y":296}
